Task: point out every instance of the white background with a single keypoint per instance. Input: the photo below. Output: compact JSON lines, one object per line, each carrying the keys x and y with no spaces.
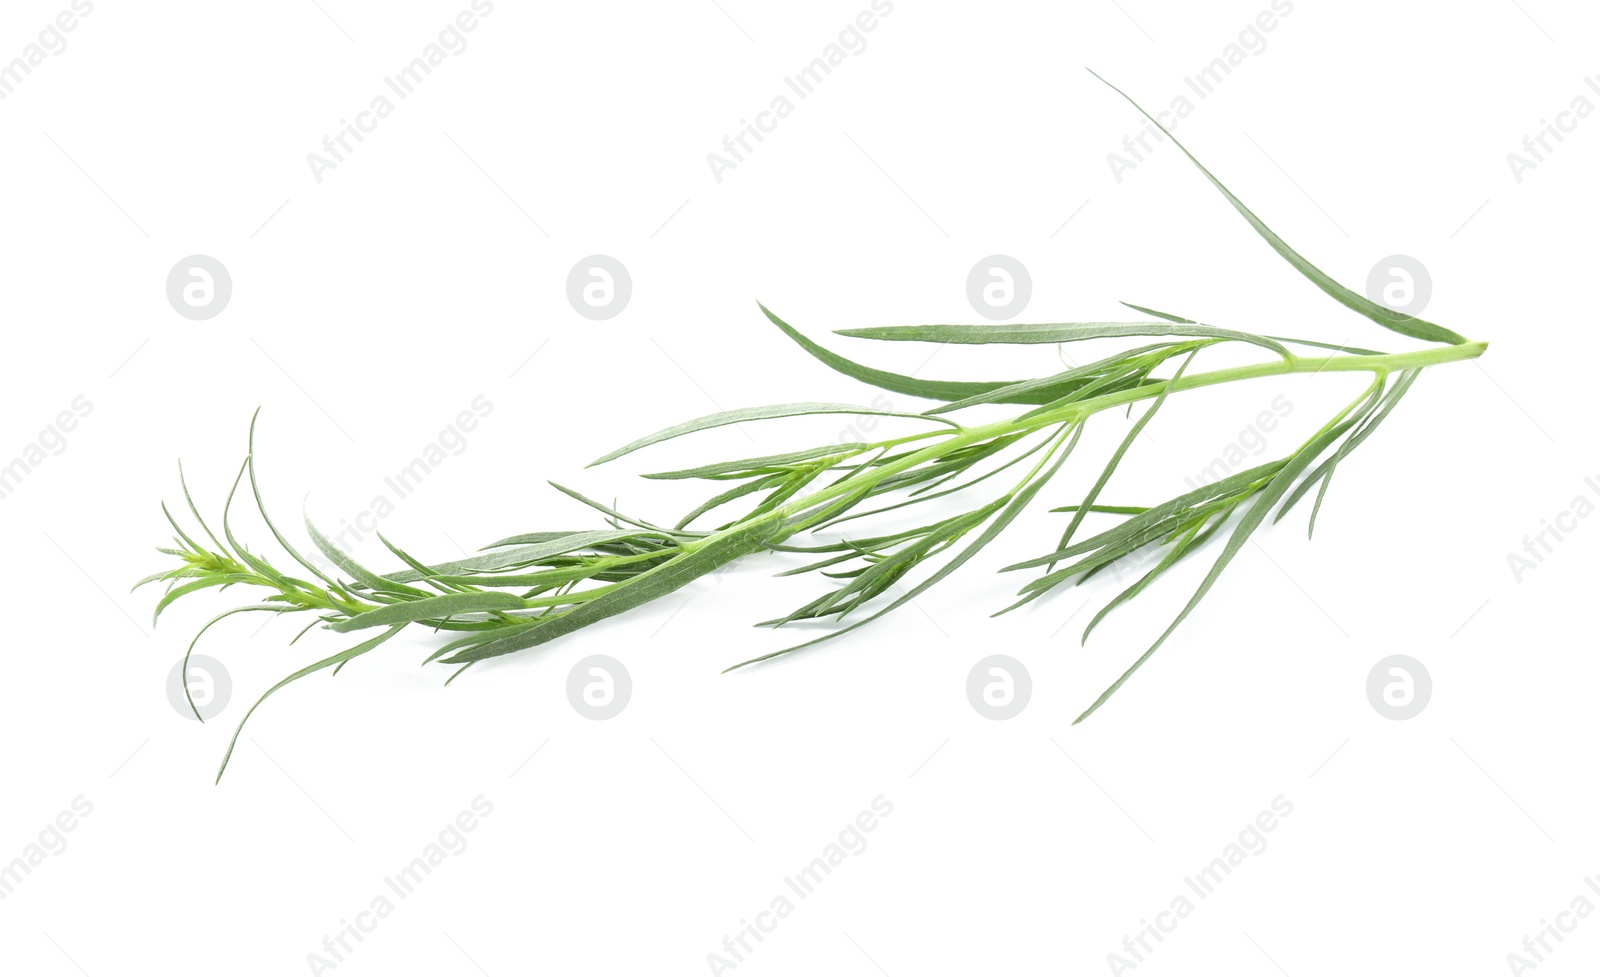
{"x":428,"y":267}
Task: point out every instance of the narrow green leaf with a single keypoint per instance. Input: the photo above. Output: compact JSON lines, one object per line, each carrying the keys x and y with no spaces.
{"x":359,"y":573}
{"x":338,"y":659}
{"x":1193,"y":539}
{"x":1158,"y":514}
{"x":760,"y":465}
{"x":714,"y":553}
{"x":1118,"y":510}
{"x":1055,"y":332}
{"x":254,"y":562}
{"x":430,"y":609}
{"x":737,"y":492}
{"x":195,"y":511}
{"x":1324,"y":472}
{"x":1017,"y":502}
{"x":1029,"y":391}
{"x":1336,"y":347}
{"x":1116,"y":457}
{"x":1159,"y":315}
{"x":425,"y":573}
{"x":1257,"y":512}
{"x":255,"y":490}
{"x":892,"y":382}
{"x":945,"y":390}
{"x":524,"y":538}
{"x":188,"y":652}
{"x":613,"y":513}
{"x":751,"y":414}
{"x":519,"y":556}
{"x":182,"y":536}
{"x":1387,"y":318}
{"x":220,"y":580}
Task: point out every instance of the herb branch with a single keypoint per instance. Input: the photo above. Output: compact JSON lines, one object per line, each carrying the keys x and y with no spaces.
{"x":523,"y":591}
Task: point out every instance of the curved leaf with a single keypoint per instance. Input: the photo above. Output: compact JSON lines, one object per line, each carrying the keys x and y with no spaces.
{"x":1385,"y":317}
{"x":947,"y":390}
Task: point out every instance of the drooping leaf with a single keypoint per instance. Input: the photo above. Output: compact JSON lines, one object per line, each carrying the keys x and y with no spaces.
{"x":331,"y":660}
{"x":1385,"y":317}
{"x":1253,"y":517}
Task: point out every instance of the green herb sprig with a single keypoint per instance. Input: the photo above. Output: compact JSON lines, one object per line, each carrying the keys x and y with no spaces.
{"x":523,"y":591}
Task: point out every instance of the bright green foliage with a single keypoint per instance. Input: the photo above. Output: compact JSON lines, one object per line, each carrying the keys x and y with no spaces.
{"x":525,"y":590}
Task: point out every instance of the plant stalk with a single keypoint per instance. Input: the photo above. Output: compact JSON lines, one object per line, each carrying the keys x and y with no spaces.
{"x":1384,"y":363}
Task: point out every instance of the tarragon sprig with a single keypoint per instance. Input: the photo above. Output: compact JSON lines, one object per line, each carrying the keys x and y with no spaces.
{"x":526,"y":590}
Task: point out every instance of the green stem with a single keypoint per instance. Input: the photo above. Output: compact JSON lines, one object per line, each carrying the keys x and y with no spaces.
{"x":1384,"y":363}
{"x":1068,"y":413}
{"x":1387,"y":362}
